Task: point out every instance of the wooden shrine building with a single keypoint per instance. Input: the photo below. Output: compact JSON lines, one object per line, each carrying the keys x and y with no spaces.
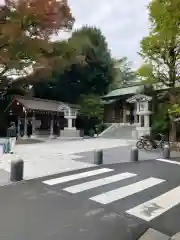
{"x":45,"y":117}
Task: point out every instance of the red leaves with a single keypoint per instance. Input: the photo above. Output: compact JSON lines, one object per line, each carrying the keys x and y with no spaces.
{"x":25,"y":30}
{"x":40,"y":18}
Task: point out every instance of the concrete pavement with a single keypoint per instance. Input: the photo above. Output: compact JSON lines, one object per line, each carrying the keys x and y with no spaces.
{"x":56,"y":156}
{"x":97,"y":203}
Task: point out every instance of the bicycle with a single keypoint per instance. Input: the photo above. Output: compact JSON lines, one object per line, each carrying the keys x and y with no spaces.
{"x":141,"y":142}
{"x":148,"y":143}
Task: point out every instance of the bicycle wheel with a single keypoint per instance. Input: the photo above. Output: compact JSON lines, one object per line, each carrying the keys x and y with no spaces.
{"x":139,"y":144}
{"x":148,"y":146}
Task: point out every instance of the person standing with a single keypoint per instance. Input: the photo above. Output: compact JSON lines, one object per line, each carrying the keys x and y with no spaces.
{"x":29,"y":128}
{"x":12,"y":134}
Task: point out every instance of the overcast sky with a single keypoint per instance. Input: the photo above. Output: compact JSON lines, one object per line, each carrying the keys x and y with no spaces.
{"x":123,"y":22}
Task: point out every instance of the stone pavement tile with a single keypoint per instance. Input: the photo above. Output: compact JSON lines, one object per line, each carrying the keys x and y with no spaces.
{"x":58,"y":156}
{"x":36,"y":166}
{"x":152,"y":234}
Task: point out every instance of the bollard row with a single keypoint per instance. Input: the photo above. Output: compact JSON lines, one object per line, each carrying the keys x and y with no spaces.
{"x":98,"y":156}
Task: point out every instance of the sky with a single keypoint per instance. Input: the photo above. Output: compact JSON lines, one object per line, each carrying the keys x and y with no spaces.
{"x":123,"y":22}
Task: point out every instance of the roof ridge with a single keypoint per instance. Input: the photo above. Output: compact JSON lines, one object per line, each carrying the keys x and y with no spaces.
{"x":130,"y":85}
{"x":44,"y":100}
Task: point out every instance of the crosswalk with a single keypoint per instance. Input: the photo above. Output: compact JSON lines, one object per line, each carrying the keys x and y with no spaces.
{"x":145,"y":210}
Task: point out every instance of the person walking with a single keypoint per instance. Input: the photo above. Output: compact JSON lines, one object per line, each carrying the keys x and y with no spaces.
{"x":12,"y":134}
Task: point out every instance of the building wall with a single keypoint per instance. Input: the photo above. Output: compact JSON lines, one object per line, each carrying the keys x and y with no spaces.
{"x":118,"y":112}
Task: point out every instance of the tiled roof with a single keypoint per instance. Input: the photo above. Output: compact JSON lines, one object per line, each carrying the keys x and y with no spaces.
{"x":125,"y":91}
{"x":41,"y":104}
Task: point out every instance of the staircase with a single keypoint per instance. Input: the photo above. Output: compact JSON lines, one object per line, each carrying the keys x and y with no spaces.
{"x":118,"y":131}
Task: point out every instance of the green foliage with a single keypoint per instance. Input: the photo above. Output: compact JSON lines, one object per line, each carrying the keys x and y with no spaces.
{"x":160,"y":49}
{"x":145,"y":73}
{"x":91,"y":107}
{"x":161,"y":119}
{"x":123,"y":73}
{"x":174,"y":110}
{"x":91,"y":77}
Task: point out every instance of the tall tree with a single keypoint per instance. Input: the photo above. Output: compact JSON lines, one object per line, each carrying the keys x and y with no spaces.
{"x":91,"y":107}
{"x":26,"y":28}
{"x":161,"y":49}
{"x":93,"y":77}
{"x":91,"y":112}
{"x":124,"y":75}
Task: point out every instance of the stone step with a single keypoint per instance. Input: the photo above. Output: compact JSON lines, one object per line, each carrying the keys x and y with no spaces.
{"x":152,"y":234}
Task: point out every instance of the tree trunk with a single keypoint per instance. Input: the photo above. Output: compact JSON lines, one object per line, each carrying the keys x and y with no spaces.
{"x":173,"y":126}
{"x":173,"y":132}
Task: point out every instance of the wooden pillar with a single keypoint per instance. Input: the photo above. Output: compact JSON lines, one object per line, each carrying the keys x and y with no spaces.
{"x":33,"y":124}
{"x":18,"y":126}
{"x":124,"y":113}
{"x":135,"y":116}
{"x":52,"y":126}
{"x":25,"y":124}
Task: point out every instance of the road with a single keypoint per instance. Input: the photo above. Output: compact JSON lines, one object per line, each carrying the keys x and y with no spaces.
{"x":117,"y":201}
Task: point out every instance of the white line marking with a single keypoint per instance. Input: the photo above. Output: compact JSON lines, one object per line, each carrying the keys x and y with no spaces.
{"x":99,"y":182}
{"x":155,"y":207}
{"x":168,"y":161}
{"x":126,"y":191}
{"x":77,"y":176}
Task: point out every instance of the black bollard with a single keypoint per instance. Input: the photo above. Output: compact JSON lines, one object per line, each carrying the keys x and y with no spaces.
{"x":166,"y":152}
{"x":134,"y":154}
{"x":17,"y":168}
{"x":98,"y":157}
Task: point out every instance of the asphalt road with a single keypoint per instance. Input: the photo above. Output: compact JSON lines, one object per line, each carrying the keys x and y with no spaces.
{"x":53,"y":208}
{"x":122,"y":154}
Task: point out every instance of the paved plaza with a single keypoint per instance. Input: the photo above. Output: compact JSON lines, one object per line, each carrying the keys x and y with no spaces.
{"x":56,"y":156}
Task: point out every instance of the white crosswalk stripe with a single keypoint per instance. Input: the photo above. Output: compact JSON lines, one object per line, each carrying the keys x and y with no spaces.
{"x":97,"y":183}
{"x":146,"y":211}
{"x":77,"y":176}
{"x":155,"y":207}
{"x":122,"y":192}
{"x":168,"y":161}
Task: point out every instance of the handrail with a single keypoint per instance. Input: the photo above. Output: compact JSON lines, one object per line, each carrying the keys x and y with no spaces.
{"x":107,"y":129}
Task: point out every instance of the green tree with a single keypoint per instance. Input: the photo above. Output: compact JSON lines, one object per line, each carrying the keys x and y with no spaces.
{"x":93,"y":77}
{"x":124,"y":75}
{"x":91,"y":113}
{"x":160,"y":49}
{"x":91,"y":107}
{"x":145,"y":74}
